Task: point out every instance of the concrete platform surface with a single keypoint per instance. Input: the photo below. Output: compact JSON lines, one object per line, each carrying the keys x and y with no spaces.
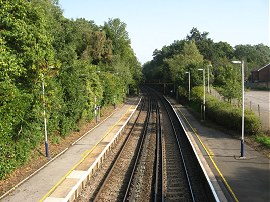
{"x":245,"y":179}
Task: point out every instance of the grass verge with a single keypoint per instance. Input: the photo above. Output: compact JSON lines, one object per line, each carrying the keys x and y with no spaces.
{"x":264,"y":140}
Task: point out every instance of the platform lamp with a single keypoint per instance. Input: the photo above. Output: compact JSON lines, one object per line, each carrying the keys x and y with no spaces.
{"x":208,"y":78}
{"x":44,"y":114}
{"x":243,"y":105}
{"x":203,"y":93}
{"x":188,"y":85}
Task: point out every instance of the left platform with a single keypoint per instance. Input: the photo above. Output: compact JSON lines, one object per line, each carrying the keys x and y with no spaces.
{"x":58,"y":180}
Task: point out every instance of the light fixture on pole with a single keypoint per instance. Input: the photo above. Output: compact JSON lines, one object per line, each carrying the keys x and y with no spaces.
{"x":95,"y":109}
{"x":44,"y":114}
{"x":208,"y":79}
{"x":243,"y":106}
{"x":45,"y":119}
{"x":188,"y":85}
{"x":203,"y":93}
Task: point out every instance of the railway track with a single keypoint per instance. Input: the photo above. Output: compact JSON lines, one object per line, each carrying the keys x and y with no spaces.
{"x":176,"y":177}
{"x":159,"y":166}
{"x":97,"y":178}
{"x":117,"y":183}
{"x":156,"y":161}
{"x":142,"y":180}
{"x":194,"y":185}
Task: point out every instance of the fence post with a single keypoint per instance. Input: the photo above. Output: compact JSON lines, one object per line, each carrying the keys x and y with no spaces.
{"x":259,"y":110}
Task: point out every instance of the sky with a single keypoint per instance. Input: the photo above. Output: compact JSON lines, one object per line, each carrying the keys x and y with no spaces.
{"x":152,"y":24}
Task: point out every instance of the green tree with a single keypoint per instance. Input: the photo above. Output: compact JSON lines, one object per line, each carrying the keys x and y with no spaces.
{"x":116,"y":32}
{"x":189,"y":60}
{"x":25,"y":44}
{"x":222,"y":50}
{"x":77,"y":61}
{"x":203,"y":43}
{"x":229,"y":81}
{"x":123,"y":62}
{"x":254,"y":56}
{"x":101,"y":49}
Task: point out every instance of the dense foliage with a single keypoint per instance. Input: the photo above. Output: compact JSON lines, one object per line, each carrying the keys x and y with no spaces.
{"x":198,"y":51}
{"x":79,"y":61}
{"x":226,"y":114}
{"x":172,"y":64}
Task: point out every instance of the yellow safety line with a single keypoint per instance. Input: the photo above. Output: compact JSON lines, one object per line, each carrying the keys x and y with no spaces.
{"x":82,"y":154}
{"x":210,"y":156}
{"x":211,"y":152}
{"x":89,"y":151}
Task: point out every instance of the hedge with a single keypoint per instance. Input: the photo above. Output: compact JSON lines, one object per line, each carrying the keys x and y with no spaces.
{"x":223,"y":113}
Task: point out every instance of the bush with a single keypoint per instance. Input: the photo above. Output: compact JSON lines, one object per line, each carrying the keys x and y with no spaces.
{"x":229,"y":116}
{"x":197,"y":94}
{"x":252,"y":123}
{"x":264,"y":140}
{"x":196,"y":98}
{"x":223,"y":113}
{"x":182,"y":91}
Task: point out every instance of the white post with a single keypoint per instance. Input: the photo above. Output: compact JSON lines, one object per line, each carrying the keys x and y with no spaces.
{"x":95,"y":109}
{"x":203,"y":94}
{"x":208,"y":83}
{"x":45,"y":119}
{"x":243,"y":108}
{"x":188,"y":85}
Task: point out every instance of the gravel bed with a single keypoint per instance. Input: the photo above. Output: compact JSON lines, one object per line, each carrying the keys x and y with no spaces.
{"x":115,"y":187}
{"x":145,"y":171}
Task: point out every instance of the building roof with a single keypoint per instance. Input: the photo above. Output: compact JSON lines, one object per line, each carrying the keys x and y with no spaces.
{"x":259,"y":69}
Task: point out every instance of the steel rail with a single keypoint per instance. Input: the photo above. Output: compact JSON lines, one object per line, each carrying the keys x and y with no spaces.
{"x":162,"y":160}
{"x":130,"y":194}
{"x":159,"y":185}
{"x":156,"y":195}
{"x":118,"y":154}
{"x":201,"y":190}
{"x":180,"y":151}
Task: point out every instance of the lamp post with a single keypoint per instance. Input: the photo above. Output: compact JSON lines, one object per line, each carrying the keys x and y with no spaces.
{"x":45,"y":119}
{"x":208,"y":80}
{"x":203,"y":93}
{"x":44,"y":114}
{"x":243,"y":105}
{"x":95,"y":109}
{"x":188,"y":85}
